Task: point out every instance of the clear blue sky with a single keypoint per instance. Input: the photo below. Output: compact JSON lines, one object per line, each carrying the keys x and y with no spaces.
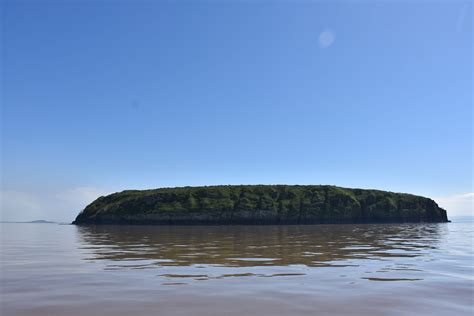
{"x":101,"y":96}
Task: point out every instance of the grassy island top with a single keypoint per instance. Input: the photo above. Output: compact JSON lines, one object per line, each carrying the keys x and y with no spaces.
{"x":259,"y":204}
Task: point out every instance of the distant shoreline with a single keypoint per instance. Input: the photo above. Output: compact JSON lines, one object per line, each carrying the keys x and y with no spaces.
{"x":31,"y":222}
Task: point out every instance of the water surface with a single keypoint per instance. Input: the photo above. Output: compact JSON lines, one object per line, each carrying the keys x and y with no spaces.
{"x":400,"y":269}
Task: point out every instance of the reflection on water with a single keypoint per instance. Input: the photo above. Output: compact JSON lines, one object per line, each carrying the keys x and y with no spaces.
{"x":400,"y":269}
{"x":219,"y":249}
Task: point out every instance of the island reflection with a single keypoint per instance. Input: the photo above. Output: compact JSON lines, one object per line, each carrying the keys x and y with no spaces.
{"x":250,"y":246}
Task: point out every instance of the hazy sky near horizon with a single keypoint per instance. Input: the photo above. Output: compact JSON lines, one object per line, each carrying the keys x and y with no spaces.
{"x":110,"y":95}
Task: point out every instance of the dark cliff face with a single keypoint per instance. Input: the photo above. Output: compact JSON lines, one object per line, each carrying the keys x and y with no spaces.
{"x":260,"y":204}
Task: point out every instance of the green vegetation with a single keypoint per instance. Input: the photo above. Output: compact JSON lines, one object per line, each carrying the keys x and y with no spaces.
{"x":259,"y":204}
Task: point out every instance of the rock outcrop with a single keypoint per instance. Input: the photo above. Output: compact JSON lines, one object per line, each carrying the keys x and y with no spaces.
{"x":259,"y":204}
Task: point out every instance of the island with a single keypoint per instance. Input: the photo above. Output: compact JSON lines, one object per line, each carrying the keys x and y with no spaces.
{"x":38,"y":221}
{"x":259,"y":204}
{"x":42,"y":221}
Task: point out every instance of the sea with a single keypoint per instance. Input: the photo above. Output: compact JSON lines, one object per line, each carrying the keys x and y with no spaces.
{"x":368,"y":269}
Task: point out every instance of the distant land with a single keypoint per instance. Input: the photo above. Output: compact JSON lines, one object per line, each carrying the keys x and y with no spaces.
{"x":259,"y":204}
{"x":39,"y":221}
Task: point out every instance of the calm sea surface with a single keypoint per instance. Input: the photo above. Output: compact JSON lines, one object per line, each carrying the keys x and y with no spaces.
{"x":402,"y":269}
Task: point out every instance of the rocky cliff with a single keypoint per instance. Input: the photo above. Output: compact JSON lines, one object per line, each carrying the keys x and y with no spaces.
{"x":259,"y":204}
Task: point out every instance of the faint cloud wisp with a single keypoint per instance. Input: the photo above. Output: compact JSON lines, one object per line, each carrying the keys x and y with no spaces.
{"x":62,"y":206}
{"x":15,"y":204}
{"x":458,"y":205}
{"x":81,"y":195}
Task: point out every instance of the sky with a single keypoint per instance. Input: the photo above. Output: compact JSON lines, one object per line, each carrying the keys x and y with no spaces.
{"x":102,"y":96}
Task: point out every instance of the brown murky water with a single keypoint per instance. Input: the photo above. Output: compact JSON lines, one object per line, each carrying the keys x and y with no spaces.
{"x":403,"y":269}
